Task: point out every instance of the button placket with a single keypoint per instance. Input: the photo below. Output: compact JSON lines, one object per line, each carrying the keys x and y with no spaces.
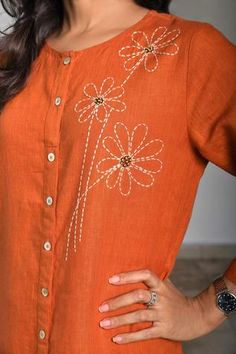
{"x":52,"y":141}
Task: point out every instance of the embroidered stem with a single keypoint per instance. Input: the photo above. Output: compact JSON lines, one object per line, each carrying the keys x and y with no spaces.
{"x":132,"y":71}
{"x":93,"y":185}
{"x":89,"y":174}
{"x":75,"y":212}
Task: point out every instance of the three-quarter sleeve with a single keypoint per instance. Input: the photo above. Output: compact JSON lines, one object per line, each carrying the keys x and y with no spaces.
{"x":230,"y":272}
{"x":211,"y":102}
{"x":211,"y":97}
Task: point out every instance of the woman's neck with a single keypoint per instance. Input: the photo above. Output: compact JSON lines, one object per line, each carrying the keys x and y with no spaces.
{"x":87,"y":15}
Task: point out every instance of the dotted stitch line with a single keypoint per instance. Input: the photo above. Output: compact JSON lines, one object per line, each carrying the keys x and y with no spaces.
{"x":141,"y":146}
{"x":91,"y":166}
{"x":103,"y":128}
{"x":75,"y":212}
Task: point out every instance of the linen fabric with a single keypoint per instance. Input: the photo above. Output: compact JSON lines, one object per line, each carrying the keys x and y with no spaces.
{"x":102,"y":153}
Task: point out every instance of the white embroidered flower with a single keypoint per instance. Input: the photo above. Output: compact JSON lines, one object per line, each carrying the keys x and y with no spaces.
{"x":100,"y":102}
{"x":148,"y":50}
{"x":131,"y":158}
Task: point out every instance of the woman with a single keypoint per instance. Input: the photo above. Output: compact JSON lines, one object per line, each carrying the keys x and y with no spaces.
{"x":110,"y":112}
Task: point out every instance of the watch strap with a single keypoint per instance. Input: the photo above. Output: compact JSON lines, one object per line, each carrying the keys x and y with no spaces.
{"x":220,"y":285}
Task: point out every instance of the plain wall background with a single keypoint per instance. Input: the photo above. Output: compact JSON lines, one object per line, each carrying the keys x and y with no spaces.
{"x":214,"y":214}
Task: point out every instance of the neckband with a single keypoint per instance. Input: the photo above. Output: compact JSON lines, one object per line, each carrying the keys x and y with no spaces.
{"x":50,"y":50}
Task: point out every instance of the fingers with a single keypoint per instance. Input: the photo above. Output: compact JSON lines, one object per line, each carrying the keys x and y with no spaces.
{"x":132,"y":297}
{"x":150,"y":314}
{"x":146,"y":276}
{"x":144,"y":334}
{"x":130,"y":318}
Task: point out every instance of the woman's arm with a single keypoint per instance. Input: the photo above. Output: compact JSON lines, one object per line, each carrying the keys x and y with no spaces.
{"x":230,"y":274}
{"x":230,"y":285}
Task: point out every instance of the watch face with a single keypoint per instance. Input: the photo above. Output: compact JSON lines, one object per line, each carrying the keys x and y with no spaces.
{"x":227,"y":302}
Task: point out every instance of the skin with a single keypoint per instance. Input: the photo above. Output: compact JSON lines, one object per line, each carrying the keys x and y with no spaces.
{"x":170,"y":316}
{"x":89,"y":22}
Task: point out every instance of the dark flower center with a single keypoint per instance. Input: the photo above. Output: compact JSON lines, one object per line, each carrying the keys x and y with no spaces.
{"x":149,"y":49}
{"x":125,"y":161}
{"x":98,"y":100}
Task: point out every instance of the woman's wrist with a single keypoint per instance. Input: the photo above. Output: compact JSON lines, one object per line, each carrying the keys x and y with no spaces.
{"x":212,"y":315}
{"x":205,"y":302}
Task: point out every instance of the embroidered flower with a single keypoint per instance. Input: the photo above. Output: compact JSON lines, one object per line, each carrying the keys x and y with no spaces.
{"x":131,"y":158}
{"x":148,"y":50}
{"x":100,"y":102}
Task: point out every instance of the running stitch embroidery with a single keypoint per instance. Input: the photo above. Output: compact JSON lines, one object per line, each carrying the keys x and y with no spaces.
{"x":100,"y":104}
{"x":128,"y":156}
{"x":160,"y":43}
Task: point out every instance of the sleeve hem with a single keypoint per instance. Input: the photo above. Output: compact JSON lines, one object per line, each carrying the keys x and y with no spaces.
{"x":230,"y":272}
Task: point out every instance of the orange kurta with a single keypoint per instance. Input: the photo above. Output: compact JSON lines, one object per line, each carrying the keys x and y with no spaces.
{"x":101,"y":156}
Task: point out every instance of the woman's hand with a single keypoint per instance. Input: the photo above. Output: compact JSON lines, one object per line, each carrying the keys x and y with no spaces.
{"x":174,"y":316}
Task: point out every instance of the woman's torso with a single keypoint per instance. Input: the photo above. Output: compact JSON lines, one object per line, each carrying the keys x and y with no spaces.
{"x":108,"y":123}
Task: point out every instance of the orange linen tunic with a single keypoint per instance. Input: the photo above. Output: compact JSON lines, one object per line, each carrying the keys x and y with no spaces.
{"x":101,"y":157}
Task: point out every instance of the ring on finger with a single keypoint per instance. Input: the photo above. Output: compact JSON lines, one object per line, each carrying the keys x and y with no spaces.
{"x":153,"y":298}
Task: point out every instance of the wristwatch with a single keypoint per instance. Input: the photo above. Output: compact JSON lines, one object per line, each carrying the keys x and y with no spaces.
{"x":225,"y":300}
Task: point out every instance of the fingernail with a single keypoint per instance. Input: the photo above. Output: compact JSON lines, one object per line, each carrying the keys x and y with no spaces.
{"x":104,"y":308}
{"x":114,"y":279}
{"x":117,"y":339}
{"x":105,"y":323}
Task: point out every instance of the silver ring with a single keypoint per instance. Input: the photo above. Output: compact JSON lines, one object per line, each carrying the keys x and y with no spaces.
{"x":153,"y":299}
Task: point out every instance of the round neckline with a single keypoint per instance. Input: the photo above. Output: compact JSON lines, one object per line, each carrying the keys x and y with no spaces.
{"x":73,"y":52}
